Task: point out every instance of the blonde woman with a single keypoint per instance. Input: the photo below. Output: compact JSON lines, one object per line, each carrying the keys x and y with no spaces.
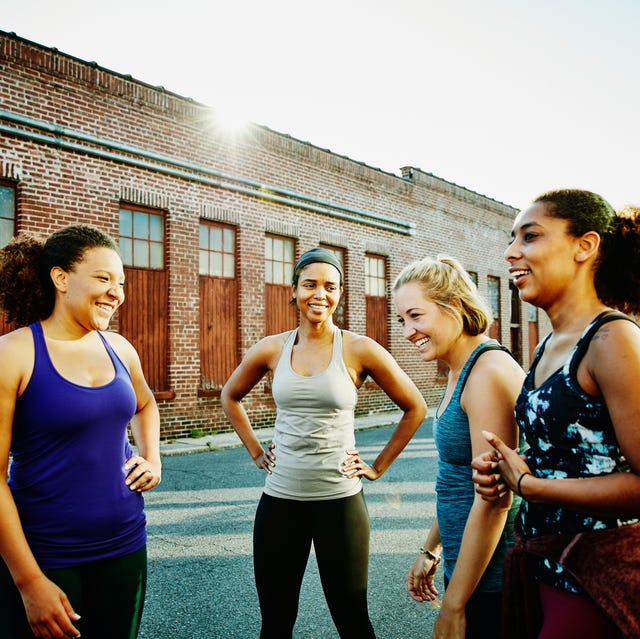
{"x":445,"y":318}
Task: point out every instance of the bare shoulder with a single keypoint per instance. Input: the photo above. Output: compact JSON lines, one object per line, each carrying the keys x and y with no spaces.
{"x":17,"y":352}
{"x":267,"y":351}
{"x":116,"y":339}
{"x":363,"y":355}
{"x":15,"y":343}
{"x":618,"y":332}
{"x":121,"y":345}
{"x":357,"y":343}
{"x":498,"y":363}
{"x":494,"y":370}
{"x":614,"y":342}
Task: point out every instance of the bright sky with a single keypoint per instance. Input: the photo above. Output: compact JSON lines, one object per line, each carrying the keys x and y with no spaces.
{"x":508,"y":98}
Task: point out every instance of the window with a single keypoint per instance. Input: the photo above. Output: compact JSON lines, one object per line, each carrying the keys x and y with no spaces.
{"x":142,"y":238}
{"x":279,"y":260}
{"x":515,"y":323}
{"x":375,"y":286}
{"x":144,"y":315}
{"x":7,"y":230}
{"x":218,"y":305}
{"x":279,"y":254}
{"x":217,"y":250}
{"x":532,"y":329}
{"x":7,"y":213}
{"x":493,"y":292}
{"x":340,"y":314}
{"x":375,"y":279}
{"x":474,"y":277}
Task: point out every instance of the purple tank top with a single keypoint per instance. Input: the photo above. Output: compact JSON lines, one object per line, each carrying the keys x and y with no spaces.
{"x":67,"y":477}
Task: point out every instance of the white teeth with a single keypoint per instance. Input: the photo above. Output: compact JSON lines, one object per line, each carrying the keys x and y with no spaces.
{"x":420,"y":342}
{"x":516,"y":274}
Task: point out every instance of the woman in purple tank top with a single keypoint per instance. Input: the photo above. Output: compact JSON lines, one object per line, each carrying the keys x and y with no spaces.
{"x":73,"y":529}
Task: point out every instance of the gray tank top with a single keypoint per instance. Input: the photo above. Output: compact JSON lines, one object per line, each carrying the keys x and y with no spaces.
{"x":313,"y":429}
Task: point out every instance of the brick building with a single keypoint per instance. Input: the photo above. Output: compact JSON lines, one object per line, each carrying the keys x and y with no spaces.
{"x":209,"y":226}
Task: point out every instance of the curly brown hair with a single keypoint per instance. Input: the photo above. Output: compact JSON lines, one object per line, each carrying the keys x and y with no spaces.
{"x":27,"y":293}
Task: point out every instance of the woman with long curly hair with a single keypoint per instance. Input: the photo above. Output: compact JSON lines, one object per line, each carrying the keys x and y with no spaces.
{"x":73,"y":529}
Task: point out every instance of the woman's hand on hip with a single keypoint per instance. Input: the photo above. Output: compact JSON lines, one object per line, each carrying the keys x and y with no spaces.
{"x":355,"y":466}
{"x":266,"y":460}
{"x":142,"y":475}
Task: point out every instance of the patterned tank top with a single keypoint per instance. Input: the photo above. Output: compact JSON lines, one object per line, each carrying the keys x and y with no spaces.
{"x":569,"y":434}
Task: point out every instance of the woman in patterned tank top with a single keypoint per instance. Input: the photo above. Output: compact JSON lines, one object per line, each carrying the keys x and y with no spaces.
{"x":575,"y":571}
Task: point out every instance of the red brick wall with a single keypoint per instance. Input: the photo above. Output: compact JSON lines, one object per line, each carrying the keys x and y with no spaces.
{"x":57,"y":184}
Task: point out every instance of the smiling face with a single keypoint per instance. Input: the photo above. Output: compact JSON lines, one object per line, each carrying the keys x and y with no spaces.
{"x":433,"y":330}
{"x":541,"y":256}
{"x":318,"y":291}
{"x":90,"y":293}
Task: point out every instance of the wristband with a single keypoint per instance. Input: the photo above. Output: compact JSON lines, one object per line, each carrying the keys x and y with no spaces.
{"x":518,"y":489}
{"x":434,"y":558}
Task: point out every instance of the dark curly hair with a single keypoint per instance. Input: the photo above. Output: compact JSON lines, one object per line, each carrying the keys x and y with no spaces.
{"x":27,"y":293}
{"x":617,"y":275}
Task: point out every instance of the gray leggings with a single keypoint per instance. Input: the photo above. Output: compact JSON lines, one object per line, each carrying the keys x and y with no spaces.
{"x":282,"y":536}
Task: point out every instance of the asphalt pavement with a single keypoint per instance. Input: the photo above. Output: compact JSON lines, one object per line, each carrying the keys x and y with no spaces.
{"x":200,"y":521}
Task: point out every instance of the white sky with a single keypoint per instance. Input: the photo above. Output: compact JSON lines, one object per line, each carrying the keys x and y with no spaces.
{"x":508,"y":98}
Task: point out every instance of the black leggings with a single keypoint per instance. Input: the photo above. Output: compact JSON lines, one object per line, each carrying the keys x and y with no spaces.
{"x":107,"y":594}
{"x":282,"y":536}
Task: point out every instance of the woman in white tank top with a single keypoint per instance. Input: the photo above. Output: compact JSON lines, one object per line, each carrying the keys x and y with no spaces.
{"x":313,"y":491}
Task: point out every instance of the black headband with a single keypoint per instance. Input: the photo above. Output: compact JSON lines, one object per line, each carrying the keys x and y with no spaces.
{"x":315,"y":255}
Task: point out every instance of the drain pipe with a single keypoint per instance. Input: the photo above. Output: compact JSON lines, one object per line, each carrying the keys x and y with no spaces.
{"x":112,"y":150}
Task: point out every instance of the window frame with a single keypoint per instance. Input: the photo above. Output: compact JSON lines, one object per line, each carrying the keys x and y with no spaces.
{"x":340,"y":315}
{"x":377,"y":305}
{"x":129,"y":254}
{"x":219,"y":305}
{"x":10,"y":187}
{"x":145,"y":322}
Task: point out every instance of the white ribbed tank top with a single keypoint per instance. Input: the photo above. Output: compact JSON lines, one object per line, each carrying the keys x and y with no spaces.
{"x":313,"y":429}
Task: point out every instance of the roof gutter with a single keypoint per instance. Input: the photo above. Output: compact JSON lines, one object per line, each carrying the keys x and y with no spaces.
{"x":76,"y":141}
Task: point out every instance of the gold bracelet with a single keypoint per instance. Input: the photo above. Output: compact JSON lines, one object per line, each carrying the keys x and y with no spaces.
{"x":434,"y":558}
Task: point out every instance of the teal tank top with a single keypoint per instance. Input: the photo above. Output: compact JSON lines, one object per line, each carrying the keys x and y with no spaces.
{"x":454,"y":484}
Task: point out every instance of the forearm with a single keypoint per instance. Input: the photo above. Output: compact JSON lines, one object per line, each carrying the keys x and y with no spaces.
{"x":145,"y":427}
{"x":482,"y":532}
{"x":14,"y":549}
{"x":239,"y":420}
{"x":400,"y":437}
{"x":432,"y":543}
{"x":613,"y":495}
